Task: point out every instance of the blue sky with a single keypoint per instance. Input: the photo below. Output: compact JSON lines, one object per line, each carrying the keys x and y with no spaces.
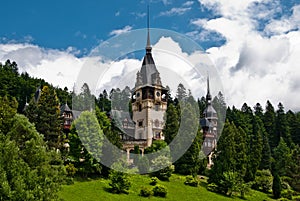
{"x":82,"y":24}
{"x":253,"y":44}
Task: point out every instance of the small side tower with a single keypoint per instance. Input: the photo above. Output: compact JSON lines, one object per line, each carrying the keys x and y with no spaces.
{"x":209,"y":127}
{"x":149,"y":100}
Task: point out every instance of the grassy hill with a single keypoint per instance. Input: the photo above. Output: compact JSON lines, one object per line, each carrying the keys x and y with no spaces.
{"x":97,"y":190}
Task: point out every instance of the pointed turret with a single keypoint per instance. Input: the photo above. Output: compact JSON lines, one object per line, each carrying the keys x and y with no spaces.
{"x":149,"y":72}
{"x":208,"y":96}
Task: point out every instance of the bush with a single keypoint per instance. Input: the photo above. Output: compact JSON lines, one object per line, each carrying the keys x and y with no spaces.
{"x":191,"y":181}
{"x":146,"y":192}
{"x":119,"y":182}
{"x":160,"y":191}
{"x":71,"y":169}
{"x":153,"y":181}
{"x":263,"y":181}
{"x":288,"y":194}
{"x":212,"y":187}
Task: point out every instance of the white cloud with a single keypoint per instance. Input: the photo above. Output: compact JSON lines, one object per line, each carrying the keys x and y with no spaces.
{"x":254,"y":67}
{"x":188,"y":3}
{"x":120,"y":31}
{"x":174,"y":11}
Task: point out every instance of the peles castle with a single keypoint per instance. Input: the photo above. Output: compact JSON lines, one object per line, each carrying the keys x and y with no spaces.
{"x":149,"y":104}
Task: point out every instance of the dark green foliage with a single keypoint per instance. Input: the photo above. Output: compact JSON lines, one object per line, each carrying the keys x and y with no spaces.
{"x":119,"y":182}
{"x":146,"y":192}
{"x":263,"y":181}
{"x":191,"y":181}
{"x":27,"y":170}
{"x":276,"y":186}
{"x":103,"y":102}
{"x":231,"y":159}
{"x":171,"y":123}
{"x":254,"y":148}
{"x":265,"y":162}
{"x":45,"y":114}
{"x":71,"y":170}
{"x":282,"y":158}
{"x":189,"y":133}
{"x":293,"y":170}
{"x":282,"y":128}
{"x":8,"y":109}
{"x":160,"y":191}
{"x":269,"y":123}
{"x":86,"y":140}
{"x":153,"y":181}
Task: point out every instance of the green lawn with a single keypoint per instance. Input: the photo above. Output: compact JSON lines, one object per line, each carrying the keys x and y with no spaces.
{"x":97,"y":190}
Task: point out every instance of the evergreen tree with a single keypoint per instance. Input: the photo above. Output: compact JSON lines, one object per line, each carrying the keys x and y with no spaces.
{"x":255,"y":148}
{"x":86,"y":140}
{"x":282,"y":128}
{"x":293,"y":170}
{"x":188,"y":134}
{"x":171,"y":123}
{"x":230,"y":156}
{"x":282,"y":158}
{"x":269,"y":123}
{"x":181,"y":92}
{"x":265,"y":162}
{"x":258,"y":111}
{"x":294,"y":125}
{"x":45,"y":114}
{"x":276,"y":186}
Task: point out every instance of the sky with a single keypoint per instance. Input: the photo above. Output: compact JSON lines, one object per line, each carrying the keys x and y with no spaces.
{"x":254,"y":45}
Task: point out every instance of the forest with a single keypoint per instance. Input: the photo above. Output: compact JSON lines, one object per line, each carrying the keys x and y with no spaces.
{"x":258,"y":146}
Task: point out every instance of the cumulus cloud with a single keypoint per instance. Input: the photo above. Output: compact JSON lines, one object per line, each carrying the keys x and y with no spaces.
{"x":120,"y":31}
{"x":256,"y":65}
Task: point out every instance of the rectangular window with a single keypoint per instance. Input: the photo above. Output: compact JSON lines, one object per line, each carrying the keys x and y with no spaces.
{"x":140,"y":123}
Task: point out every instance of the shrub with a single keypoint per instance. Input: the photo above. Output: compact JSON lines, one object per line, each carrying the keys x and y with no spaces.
{"x":160,"y":191}
{"x":263,"y":181}
{"x":71,"y":169}
{"x":288,"y":194}
{"x":119,"y":182}
{"x":146,"y":192}
{"x":153,"y":181}
{"x":212,"y":187}
{"x":191,"y":181}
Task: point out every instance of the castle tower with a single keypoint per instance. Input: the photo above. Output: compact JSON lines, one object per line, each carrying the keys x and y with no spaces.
{"x":149,"y":100}
{"x":209,"y":127}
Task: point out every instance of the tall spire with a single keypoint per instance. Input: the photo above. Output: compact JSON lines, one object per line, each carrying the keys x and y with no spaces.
{"x":208,"y":96}
{"x":148,"y":47}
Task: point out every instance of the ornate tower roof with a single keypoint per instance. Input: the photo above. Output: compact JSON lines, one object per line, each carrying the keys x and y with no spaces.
{"x":149,"y":74}
{"x":209,"y":111}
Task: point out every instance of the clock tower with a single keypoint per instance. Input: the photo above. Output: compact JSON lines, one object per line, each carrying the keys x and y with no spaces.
{"x":149,"y":100}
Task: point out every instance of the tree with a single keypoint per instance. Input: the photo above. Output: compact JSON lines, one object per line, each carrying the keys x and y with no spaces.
{"x":294,"y":169}
{"x":189,"y":139}
{"x":263,"y":181}
{"x":28,"y":171}
{"x":230,"y":156}
{"x":282,"y":158}
{"x":269,"y":123}
{"x":181,"y":92}
{"x":265,"y":163}
{"x":255,"y":148}
{"x":276,"y":186}
{"x":86,"y":140}
{"x":45,"y":114}
{"x":171,"y":123}
{"x":282,"y":128}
